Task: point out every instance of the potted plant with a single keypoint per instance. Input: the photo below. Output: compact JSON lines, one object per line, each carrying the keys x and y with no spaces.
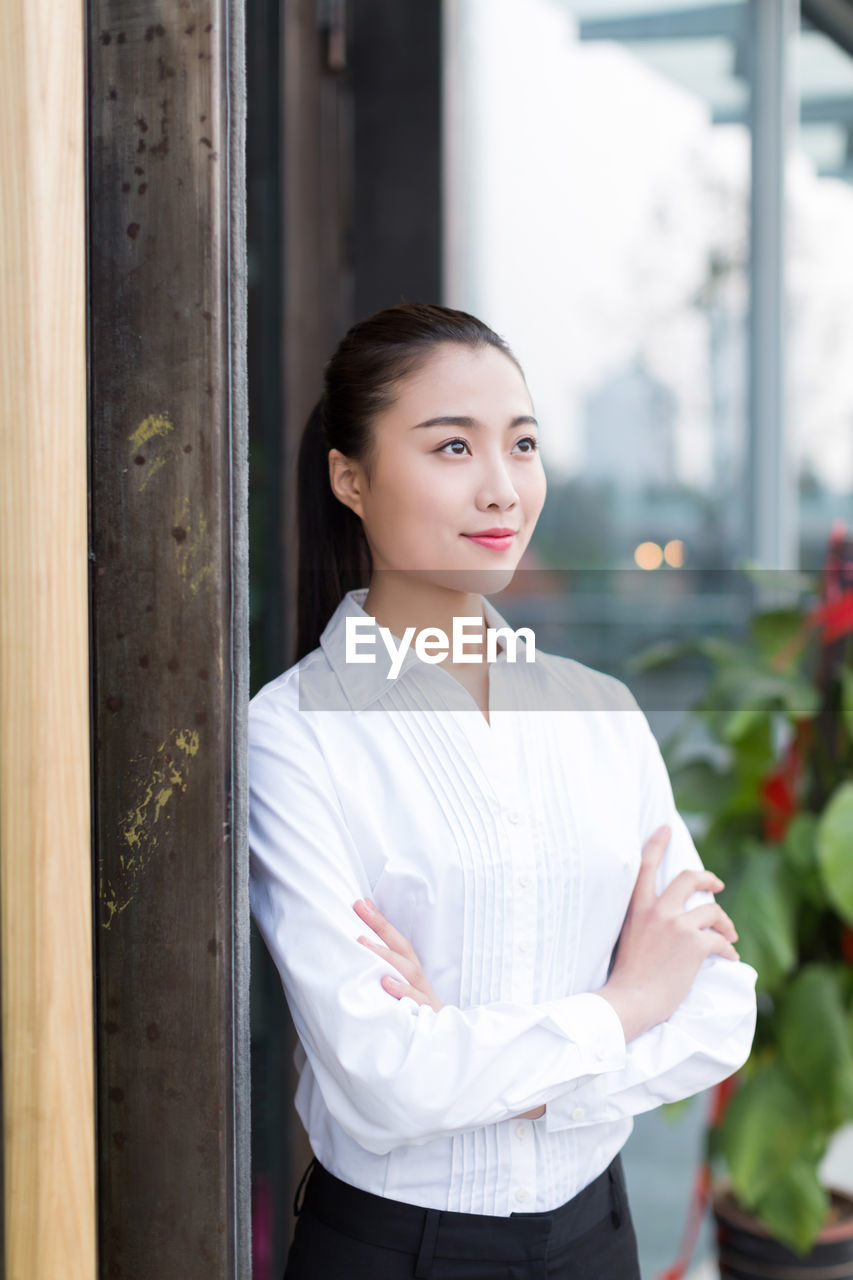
{"x":773,"y":786}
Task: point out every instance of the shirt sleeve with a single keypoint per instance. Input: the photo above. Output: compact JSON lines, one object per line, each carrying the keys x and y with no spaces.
{"x":391,"y":1072}
{"x":709,"y":1035}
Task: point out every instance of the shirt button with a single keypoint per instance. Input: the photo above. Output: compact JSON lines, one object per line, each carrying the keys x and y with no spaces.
{"x":579,"y":1113}
{"x":524,"y":945}
{"x":521,"y":1130}
{"x":600,"y":1053}
{"x":524,"y":879}
{"x":513,"y":816}
{"x":522,"y":1194}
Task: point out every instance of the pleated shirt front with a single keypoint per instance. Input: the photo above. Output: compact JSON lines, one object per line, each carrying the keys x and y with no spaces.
{"x":506,"y":852}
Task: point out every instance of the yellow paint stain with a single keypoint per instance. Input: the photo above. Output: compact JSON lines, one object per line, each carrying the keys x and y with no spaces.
{"x":202,"y":578}
{"x":163,"y":798}
{"x":154,"y":466}
{"x":187,"y":740}
{"x":156,"y":424}
{"x":191,"y":552}
{"x":158,"y":781}
{"x":155,"y":432}
{"x":136,"y":821}
{"x":113,"y":908}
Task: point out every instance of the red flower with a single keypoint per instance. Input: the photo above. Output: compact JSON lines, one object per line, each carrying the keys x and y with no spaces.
{"x":835,"y":613}
{"x":779,"y":789}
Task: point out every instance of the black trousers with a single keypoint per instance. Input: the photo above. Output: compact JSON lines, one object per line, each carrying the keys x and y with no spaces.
{"x":343,"y":1233}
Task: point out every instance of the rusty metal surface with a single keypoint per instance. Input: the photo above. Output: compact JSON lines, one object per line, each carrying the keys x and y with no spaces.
{"x":168,"y":620}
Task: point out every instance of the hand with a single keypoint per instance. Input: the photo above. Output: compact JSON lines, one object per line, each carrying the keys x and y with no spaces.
{"x":399,"y":952}
{"x":662,"y":946}
{"x":534,"y":1114}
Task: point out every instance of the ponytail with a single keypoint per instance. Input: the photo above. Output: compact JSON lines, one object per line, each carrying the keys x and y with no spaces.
{"x":360,"y":381}
{"x":333,"y":553}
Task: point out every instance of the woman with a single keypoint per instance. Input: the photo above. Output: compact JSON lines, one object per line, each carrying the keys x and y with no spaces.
{"x":448,"y":844}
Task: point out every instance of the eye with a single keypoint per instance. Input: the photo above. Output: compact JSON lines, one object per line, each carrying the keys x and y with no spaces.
{"x":530,"y":441}
{"x":458,"y":440}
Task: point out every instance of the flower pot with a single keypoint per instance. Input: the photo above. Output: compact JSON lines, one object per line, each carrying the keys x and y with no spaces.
{"x":747,"y":1251}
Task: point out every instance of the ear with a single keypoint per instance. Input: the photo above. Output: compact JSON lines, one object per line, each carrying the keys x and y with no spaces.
{"x":347,"y":480}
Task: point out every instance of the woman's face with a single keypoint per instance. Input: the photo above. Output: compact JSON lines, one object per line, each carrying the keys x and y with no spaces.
{"x":435,"y":484}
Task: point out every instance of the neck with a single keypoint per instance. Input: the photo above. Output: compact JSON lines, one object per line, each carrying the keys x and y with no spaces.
{"x":401,"y":600}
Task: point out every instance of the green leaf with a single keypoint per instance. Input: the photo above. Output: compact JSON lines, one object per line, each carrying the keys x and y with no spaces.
{"x":800,"y":849}
{"x":814,"y":1043}
{"x":745,"y":687}
{"x":661,"y":654}
{"x":742,"y":722}
{"x":754,"y":756}
{"x":722,"y":652}
{"x":801,"y":842}
{"x":765,"y":1133}
{"x":773,"y":629}
{"x":763,"y":905}
{"x":835,"y":849}
{"x":795,"y":1207}
{"x":699,"y":787}
{"x":720,"y":846}
{"x":801,"y":699}
{"x":755,"y":751}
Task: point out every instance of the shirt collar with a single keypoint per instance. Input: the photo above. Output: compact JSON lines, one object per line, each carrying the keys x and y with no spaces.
{"x":363,"y":683}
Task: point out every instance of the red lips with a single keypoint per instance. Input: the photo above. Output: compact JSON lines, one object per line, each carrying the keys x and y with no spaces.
{"x":491,"y":533}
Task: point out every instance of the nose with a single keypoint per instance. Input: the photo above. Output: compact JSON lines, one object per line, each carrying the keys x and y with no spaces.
{"x":496,"y":488}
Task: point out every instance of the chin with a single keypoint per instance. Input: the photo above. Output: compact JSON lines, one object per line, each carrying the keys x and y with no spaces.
{"x":477,"y":581}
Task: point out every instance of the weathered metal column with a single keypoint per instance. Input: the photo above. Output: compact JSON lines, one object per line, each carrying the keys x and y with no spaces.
{"x":169,"y":627}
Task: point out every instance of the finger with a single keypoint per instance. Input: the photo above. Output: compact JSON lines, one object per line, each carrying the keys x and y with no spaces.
{"x":653,"y":850}
{"x":686,"y":883}
{"x":712,"y":916}
{"x":718,"y":945}
{"x":398,"y":988}
{"x":368,"y":911}
{"x":363,"y":911}
{"x":410,"y":969}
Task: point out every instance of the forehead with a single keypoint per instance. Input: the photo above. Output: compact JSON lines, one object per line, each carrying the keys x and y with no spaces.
{"x":462,"y":380}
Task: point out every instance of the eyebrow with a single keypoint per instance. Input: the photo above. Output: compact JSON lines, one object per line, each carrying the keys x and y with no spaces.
{"x":449,"y":421}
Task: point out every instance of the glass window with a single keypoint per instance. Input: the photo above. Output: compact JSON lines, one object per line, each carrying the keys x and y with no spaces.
{"x":598,"y":186}
{"x":819,"y":277}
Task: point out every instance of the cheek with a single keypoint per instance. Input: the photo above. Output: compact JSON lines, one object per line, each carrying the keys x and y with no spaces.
{"x":428,"y":492}
{"x":415,"y":497}
{"x":534,"y":490}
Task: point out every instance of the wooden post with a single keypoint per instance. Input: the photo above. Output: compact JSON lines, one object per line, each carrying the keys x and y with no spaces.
{"x":168,"y":445}
{"x":45,"y":853}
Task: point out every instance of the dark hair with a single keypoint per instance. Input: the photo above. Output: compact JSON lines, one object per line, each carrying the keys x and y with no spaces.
{"x":359,"y":382}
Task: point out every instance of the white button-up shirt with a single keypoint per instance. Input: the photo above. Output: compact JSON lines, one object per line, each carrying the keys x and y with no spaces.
{"x":506,"y":852}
